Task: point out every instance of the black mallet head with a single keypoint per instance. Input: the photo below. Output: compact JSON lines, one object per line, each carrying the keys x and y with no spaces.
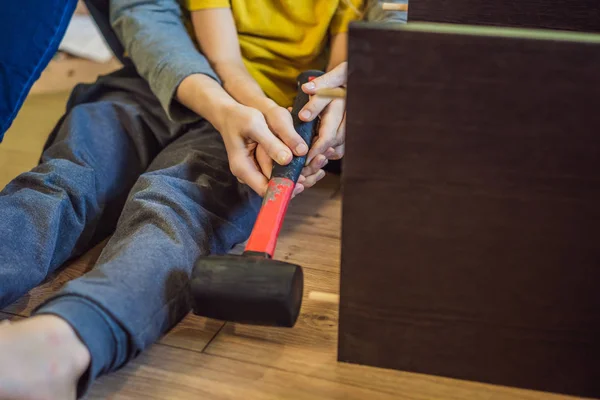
{"x":246,"y":289}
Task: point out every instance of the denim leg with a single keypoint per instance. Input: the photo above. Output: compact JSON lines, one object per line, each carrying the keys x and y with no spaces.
{"x":74,"y":197}
{"x":187,"y":204}
{"x":30,"y":33}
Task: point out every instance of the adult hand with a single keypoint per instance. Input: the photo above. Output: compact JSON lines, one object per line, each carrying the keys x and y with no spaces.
{"x":252,"y":146}
{"x":332,"y":130}
{"x":243,"y":129}
{"x":253,"y":138}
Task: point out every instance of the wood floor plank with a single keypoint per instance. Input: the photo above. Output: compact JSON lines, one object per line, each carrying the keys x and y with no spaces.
{"x":310,"y":251}
{"x":193,"y":333}
{"x":318,"y":200}
{"x":169,"y":373}
{"x":65,"y":73}
{"x":310,"y":349}
{"x":317,"y":214}
{"x":35,"y":121}
{"x":15,"y":162}
{"x":23,"y":142}
{"x":310,"y":235}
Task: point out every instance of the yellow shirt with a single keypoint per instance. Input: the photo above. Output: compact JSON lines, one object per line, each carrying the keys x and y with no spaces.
{"x":281,"y":38}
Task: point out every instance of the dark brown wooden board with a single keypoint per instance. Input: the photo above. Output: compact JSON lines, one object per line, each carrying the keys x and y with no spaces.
{"x":471,"y":208}
{"x":574,"y":15}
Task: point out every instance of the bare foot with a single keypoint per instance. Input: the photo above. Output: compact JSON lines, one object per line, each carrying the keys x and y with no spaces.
{"x":41,"y":358}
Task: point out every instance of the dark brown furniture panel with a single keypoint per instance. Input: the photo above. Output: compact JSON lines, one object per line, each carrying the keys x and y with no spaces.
{"x":575,"y":15}
{"x":471,"y":212}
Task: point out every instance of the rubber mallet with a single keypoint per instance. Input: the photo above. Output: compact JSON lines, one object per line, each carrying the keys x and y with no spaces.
{"x":253,"y":288}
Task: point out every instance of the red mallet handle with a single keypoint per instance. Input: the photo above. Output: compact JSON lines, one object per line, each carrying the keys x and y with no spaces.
{"x":283,"y":181}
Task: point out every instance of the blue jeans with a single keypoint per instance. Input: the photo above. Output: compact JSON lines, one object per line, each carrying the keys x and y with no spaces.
{"x":116,"y":163}
{"x":30,"y":33}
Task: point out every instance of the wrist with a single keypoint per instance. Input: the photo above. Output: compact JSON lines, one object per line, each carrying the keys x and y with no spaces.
{"x":224,"y":112}
{"x":238,"y":82}
{"x":204,"y":96}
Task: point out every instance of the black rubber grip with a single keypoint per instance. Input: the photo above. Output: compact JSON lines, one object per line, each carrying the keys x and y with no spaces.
{"x":305,"y":130}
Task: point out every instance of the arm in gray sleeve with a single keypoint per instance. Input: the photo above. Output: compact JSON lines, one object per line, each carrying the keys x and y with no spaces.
{"x":155,"y":39}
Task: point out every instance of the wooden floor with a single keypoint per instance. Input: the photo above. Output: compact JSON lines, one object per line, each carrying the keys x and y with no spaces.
{"x":206,"y":359}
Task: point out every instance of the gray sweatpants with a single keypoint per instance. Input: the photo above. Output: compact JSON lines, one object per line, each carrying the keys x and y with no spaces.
{"x":116,"y":163}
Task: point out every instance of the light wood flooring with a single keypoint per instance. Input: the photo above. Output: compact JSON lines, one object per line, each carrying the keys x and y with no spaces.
{"x":207,"y":359}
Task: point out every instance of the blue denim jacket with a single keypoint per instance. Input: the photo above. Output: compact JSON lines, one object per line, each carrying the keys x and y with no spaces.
{"x":30,"y":32}
{"x":149,"y":31}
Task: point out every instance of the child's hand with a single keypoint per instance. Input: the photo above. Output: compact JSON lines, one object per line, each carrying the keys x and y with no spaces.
{"x":332,"y":130}
{"x":243,"y":129}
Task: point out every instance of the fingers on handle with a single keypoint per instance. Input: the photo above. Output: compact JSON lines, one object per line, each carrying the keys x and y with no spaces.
{"x":264,"y":162}
{"x":315,"y":165}
{"x":297,"y":190}
{"x":340,"y":142}
{"x":314,"y":178}
{"x":338,"y":152}
{"x":281,"y":123}
{"x":275,"y":148}
{"x":331,"y":122}
{"x":247,"y":171}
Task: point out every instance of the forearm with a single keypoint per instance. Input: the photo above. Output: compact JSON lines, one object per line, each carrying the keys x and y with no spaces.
{"x":217,"y":35}
{"x":339,"y":50}
{"x":157,"y":42}
{"x":238,"y":82}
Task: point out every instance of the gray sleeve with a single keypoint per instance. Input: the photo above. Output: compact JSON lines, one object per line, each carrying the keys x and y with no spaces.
{"x":155,"y":39}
